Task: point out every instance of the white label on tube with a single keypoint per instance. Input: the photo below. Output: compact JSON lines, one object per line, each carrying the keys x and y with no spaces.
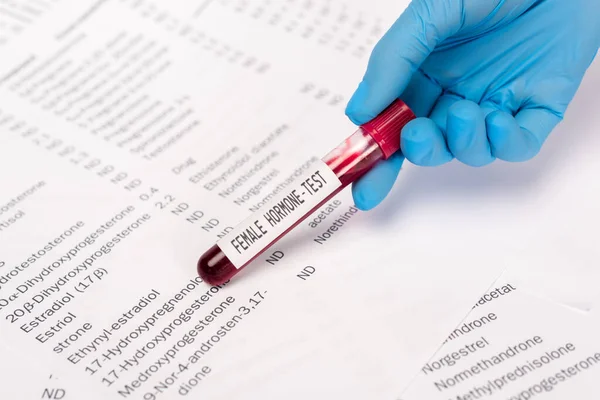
{"x":257,"y":231}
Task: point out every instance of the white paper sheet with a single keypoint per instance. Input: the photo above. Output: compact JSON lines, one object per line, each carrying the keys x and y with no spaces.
{"x":18,"y":16}
{"x":132,"y":136}
{"x":134,"y":133}
{"x":515,"y":346}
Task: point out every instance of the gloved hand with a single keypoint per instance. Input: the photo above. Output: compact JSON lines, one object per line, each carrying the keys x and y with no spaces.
{"x":487,"y":79}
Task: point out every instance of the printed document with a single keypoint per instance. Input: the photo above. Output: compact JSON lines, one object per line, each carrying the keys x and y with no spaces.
{"x":134,"y":134}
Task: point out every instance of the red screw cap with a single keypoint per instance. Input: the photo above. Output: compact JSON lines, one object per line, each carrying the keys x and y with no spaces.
{"x":385,"y":128}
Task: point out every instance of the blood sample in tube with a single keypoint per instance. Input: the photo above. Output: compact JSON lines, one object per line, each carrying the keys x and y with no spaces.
{"x":372,"y":142}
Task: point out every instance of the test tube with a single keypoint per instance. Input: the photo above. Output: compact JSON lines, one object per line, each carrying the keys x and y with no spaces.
{"x":376,"y":140}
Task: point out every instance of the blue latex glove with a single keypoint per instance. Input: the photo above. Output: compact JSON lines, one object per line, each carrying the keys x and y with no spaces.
{"x":487,"y":78}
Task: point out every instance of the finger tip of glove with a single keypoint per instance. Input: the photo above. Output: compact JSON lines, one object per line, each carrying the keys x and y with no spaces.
{"x":415,"y":143}
{"x":509,"y":141}
{"x":499,"y":119}
{"x":358,"y":109}
{"x":499,"y":124}
{"x":362,"y":200}
{"x":356,"y":117}
{"x":465,"y":110}
{"x":423,"y":143}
